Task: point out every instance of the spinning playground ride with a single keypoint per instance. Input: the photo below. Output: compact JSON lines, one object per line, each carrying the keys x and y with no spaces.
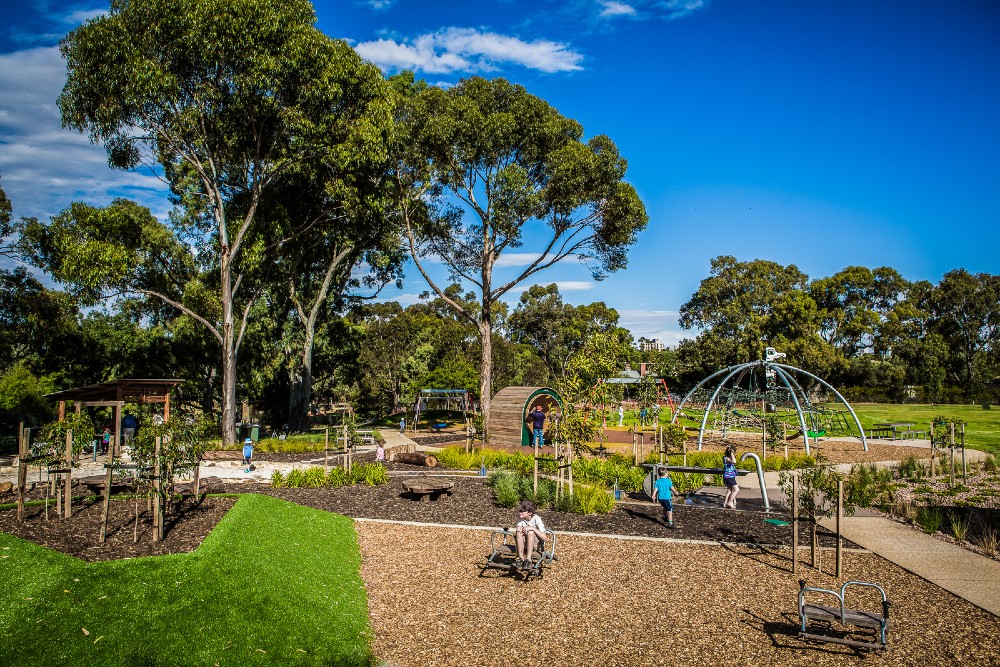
{"x":741,"y":398}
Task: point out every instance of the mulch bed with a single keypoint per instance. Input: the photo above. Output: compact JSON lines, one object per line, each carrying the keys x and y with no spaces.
{"x":470,"y":504}
{"x":190,"y":522}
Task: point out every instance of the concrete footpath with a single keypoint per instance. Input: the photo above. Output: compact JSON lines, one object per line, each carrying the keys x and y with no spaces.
{"x":959,"y":571}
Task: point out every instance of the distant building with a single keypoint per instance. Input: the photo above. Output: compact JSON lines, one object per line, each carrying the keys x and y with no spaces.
{"x":651,"y":345}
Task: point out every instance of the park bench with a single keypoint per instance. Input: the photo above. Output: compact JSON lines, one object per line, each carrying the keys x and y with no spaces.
{"x":847,"y":618}
{"x":881,"y":432}
{"x":427,"y":490}
{"x":504,"y":553}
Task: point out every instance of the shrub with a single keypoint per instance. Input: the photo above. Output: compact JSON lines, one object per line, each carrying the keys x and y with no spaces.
{"x":295,"y":478}
{"x":587,"y":499}
{"x":685,"y":483}
{"x":313,"y":478}
{"x":371,"y":474}
{"x":337,"y":477}
{"x":929,"y":519}
{"x":868,"y":485}
{"x":506,"y":488}
{"x":911,"y":468}
{"x":990,"y":463}
{"x":277,"y":479}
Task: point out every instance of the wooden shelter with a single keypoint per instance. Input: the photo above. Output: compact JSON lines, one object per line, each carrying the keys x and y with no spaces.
{"x":115,"y":394}
{"x":509,"y":408}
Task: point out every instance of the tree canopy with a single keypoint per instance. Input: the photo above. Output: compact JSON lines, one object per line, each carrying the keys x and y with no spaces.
{"x":485,"y":164}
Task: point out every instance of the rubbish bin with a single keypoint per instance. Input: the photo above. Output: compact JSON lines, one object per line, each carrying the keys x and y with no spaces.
{"x":245,"y":431}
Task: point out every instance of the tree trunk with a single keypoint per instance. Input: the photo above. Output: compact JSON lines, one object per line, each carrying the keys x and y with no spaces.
{"x":486,"y":369}
{"x":228,"y":354}
{"x":300,"y":391}
{"x":416,"y":459}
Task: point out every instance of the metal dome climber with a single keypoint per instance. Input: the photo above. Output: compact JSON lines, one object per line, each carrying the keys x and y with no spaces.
{"x":779,"y":388}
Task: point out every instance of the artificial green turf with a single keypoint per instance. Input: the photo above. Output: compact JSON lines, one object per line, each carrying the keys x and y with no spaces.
{"x":274,"y":583}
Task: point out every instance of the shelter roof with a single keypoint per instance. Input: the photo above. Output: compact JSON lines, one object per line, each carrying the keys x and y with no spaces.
{"x":135,"y":390}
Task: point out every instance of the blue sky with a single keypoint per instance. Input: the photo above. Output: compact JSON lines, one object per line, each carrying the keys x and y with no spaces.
{"x":820,"y":134}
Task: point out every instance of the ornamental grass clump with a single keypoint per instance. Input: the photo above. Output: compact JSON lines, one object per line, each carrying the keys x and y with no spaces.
{"x":929,"y":519}
{"x":959,"y":525}
{"x":869,"y":485}
{"x":989,"y":542}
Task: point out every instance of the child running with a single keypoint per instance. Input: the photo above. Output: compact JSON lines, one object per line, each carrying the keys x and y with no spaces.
{"x":663,"y":490}
{"x":729,"y":478}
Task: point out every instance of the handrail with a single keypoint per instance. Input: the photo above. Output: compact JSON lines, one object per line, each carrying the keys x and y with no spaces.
{"x":760,"y":477}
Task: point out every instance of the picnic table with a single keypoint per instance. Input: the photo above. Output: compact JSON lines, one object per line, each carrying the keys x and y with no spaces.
{"x":428,"y":490}
{"x":894,"y":430}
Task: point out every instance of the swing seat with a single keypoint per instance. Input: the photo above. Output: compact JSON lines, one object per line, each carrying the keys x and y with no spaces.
{"x":845,"y":617}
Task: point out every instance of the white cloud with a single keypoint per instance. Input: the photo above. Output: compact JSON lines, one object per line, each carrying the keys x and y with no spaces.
{"x":468,"y":50}
{"x":44,"y":167}
{"x":675,"y":9}
{"x":613,"y":9}
{"x":380,"y":5}
{"x":661,"y":324}
{"x":516,"y":259}
{"x":82,"y":16}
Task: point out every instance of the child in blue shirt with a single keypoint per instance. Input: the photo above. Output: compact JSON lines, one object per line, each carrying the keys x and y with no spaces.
{"x":247,"y":454}
{"x":663,"y":490}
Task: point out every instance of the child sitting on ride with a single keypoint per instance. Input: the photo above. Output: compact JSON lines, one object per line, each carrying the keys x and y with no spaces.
{"x":528,"y":531}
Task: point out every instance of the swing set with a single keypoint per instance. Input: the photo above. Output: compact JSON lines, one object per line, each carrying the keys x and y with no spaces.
{"x":452,"y":399}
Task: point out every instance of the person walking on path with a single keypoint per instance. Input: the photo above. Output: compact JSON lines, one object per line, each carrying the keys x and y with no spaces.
{"x":663,"y":491}
{"x":537,"y":419}
{"x":729,"y":478}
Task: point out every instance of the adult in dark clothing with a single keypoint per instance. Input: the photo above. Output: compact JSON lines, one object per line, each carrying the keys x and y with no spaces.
{"x":129,"y":425}
{"x":537,"y":420}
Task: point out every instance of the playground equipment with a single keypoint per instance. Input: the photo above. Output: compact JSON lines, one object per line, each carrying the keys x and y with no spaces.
{"x":647,"y":484}
{"x":504,"y":553}
{"x":453,"y":399}
{"x":510,"y":405}
{"x":748,"y":393}
{"x":879,"y":622}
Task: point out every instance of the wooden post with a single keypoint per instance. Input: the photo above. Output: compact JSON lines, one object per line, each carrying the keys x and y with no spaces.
{"x":635,"y":447}
{"x":22,"y":469}
{"x":535,"y":476}
{"x":795,"y":523}
{"x":933,"y":473}
{"x":107,"y":499}
{"x":684,"y":449}
{"x":569,"y":462}
{"x":965,"y":479}
{"x":156,"y":490}
{"x":68,"y":477}
{"x":840,"y":539}
{"x":951,"y":446}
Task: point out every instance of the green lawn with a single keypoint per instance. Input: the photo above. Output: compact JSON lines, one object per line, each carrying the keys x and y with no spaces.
{"x":274,"y":583}
{"x":982,"y":427}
